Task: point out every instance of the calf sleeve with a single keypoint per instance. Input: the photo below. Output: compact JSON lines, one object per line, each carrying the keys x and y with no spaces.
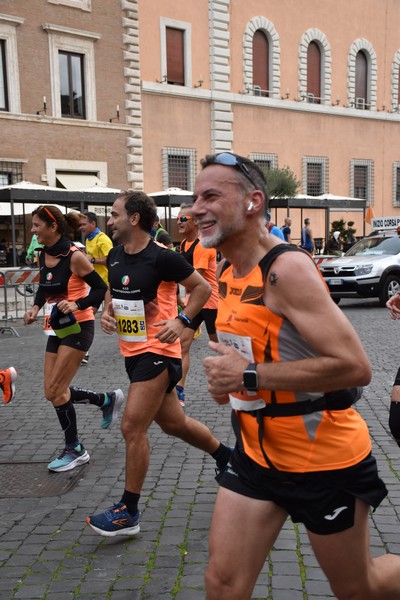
{"x":394,"y":421}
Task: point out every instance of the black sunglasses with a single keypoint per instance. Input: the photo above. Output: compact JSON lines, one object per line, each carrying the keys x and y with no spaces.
{"x":231,"y":160}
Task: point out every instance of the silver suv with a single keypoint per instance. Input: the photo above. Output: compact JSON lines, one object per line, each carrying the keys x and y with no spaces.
{"x":370,"y":269}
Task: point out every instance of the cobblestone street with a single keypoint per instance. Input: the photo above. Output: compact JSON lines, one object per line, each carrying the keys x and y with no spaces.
{"x":48,"y":552}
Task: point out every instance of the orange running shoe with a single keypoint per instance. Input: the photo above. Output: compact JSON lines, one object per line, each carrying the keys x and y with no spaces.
{"x":7,"y":378}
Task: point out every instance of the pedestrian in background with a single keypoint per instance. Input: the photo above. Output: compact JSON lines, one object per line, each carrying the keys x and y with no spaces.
{"x":286,"y":230}
{"x":97,"y":244}
{"x":307,"y":239}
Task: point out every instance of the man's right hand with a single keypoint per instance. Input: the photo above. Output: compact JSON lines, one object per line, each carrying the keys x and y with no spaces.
{"x":107,"y":321}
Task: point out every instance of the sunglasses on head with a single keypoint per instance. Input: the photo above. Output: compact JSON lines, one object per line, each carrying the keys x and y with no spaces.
{"x":231,"y":160}
{"x":183,"y":219}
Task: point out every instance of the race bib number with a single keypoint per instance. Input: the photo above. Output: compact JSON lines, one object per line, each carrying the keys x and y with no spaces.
{"x":47,"y":329}
{"x":131,"y":321}
{"x":247,"y":401}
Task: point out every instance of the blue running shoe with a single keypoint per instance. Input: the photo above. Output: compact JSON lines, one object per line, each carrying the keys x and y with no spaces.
{"x":181,"y":394}
{"x":111,"y":411}
{"x":69,"y":459}
{"x":116,"y":520}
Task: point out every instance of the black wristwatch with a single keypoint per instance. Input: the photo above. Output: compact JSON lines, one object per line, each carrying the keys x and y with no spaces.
{"x":250,"y":378}
{"x":93,"y":260}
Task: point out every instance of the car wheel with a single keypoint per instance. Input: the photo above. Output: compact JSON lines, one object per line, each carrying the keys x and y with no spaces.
{"x":390,"y":287}
{"x":336,"y":300}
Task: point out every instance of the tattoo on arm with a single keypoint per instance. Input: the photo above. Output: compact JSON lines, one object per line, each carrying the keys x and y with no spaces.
{"x":273,"y":278}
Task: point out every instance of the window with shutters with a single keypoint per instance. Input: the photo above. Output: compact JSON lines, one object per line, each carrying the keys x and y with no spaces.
{"x":362,"y":180}
{"x":314,"y":73}
{"x":315,"y":175}
{"x":176,"y":57}
{"x":396,"y":184}
{"x":261,"y":83}
{"x":179,"y":166}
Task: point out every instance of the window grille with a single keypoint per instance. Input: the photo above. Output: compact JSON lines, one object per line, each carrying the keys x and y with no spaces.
{"x":179,"y":168}
{"x":10,"y":172}
{"x":362,"y":180}
{"x":396,"y":184}
{"x":266,"y":162}
{"x":315,"y":175}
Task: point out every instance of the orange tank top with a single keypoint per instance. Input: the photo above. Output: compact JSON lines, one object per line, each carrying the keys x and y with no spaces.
{"x":320,"y":441}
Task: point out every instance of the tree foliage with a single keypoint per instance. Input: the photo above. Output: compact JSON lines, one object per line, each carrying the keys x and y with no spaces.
{"x":281,"y":183}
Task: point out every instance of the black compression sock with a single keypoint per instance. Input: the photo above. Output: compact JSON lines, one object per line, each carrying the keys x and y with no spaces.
{"x":67,"y":417}
{"x":222,"y":455}
{"x":394,"y":421}
{"x":131,"y":500}
{"x":83,"y":396}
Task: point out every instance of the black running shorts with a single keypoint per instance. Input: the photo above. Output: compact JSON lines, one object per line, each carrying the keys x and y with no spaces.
{"x":324,"y":500}
{"x":208,"y":315}
{"x":148,"y":365}
{"x":79,"y":341}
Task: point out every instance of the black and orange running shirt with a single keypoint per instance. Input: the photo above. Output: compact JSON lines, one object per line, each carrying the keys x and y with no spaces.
{"x":324,"y":440}
{"x":143,"y":290}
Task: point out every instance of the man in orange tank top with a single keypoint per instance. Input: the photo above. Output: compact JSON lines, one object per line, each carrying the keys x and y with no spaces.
{"x":204,"y":260}
{"x":289,"y":363}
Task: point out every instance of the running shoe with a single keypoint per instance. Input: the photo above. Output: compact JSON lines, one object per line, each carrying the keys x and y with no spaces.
{"x":7,"y":379}
{"x":181,"y":394}
{"x":116,"y":520}
{"x":85,"y":359}
{"x":69,"y":459}
{"x":111,"y":411}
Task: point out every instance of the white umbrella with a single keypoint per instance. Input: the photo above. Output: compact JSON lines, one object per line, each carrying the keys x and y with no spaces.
{"x":170,"y":199}
{"x":25,"y":208}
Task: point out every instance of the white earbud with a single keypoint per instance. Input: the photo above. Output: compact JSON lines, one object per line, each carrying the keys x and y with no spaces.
{"x":250,"y":207}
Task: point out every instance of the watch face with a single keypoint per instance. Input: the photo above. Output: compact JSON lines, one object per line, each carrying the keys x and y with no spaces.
{"x":250,"y":380}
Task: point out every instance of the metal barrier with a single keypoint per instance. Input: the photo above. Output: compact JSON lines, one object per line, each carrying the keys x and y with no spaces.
{"x":17,"y":289}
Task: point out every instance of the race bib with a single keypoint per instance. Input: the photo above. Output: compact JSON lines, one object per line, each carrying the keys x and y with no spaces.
{"x":47,"y":329}
{"x":131,"y":321}
{"x":247,"y":401}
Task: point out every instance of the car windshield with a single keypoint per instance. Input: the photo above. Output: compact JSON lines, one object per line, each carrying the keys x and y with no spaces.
{"x":380,"y":246}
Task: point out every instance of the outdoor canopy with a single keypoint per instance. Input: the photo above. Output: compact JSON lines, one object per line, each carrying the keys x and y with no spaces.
{"x":28,"y":193}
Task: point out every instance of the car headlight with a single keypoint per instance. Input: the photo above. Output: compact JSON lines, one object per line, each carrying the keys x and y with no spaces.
{"x":363,"y":269}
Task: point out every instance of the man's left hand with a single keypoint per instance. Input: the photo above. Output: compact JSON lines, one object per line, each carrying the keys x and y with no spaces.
{"x":170,"y":332}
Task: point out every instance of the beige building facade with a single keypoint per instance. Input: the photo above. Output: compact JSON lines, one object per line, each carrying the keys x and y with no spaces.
{"x":308,"y":84}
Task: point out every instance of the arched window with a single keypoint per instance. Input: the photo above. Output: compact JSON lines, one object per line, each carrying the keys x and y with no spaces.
{"x":260,"y":63}
{"x":362,"y":75}
{"x":361,"y":80}
{"x":314,"y":73}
